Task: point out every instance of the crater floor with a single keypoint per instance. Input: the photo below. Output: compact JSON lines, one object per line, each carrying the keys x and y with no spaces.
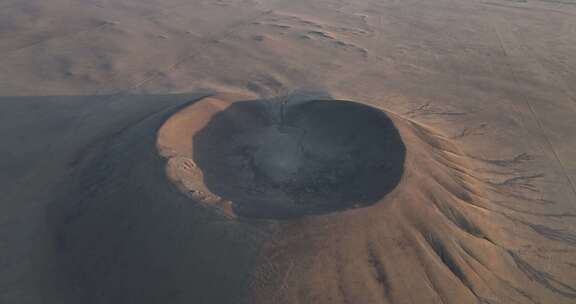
{"x":309,"y":158}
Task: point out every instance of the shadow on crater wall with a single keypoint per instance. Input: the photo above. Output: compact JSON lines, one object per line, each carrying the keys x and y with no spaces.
{"x":314,"y":157}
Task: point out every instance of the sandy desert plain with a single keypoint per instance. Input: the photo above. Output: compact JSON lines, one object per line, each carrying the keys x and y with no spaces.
{"x":287,"y":151}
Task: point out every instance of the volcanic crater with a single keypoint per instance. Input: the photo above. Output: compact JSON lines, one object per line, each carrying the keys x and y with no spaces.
{"x":287,"y":160}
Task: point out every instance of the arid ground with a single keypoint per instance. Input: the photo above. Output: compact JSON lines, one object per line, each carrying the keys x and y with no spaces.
{"x":297,"y":152}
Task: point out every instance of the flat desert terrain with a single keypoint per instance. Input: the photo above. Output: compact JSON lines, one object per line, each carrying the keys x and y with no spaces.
{"x":287,"y":152}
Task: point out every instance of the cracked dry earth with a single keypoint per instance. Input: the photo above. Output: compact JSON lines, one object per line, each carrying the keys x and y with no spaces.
{"x":273,"y":151}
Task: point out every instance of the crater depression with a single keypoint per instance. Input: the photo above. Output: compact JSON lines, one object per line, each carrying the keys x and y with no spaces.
{"x":284,"y":160}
